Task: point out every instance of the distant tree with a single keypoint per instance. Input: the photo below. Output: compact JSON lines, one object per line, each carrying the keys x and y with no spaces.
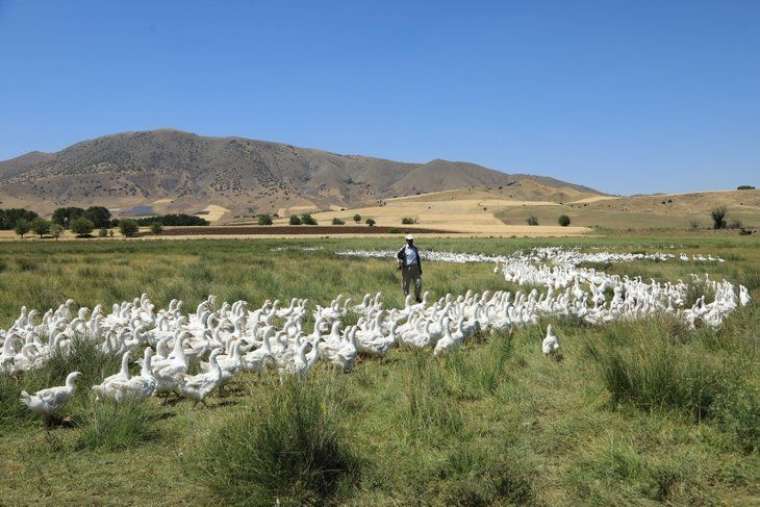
{"x":370,"y":221}
{"x":563,"y":220}
{"x":22,"y":227}
{"x":40,"y":226}
{"x":338,"y":221}
{"x":532,"y":220}
{"x":56,"y":230}
{"x":66,"y":216}
{"x":128,"y":228}
{"x":745,"y":187}
{"x":294,"y":220}
{"x":178,"y":220}
{"x":265,"y":219}
{"x":98,"y":215}
{"x":9,"y":217}
{"x":307,"y":219}
{"x":103,"y":233}
{"x":357,"y":218}
{"x":82,"y":227}
{"x":718,"y":216}
{"x":156,"y":228}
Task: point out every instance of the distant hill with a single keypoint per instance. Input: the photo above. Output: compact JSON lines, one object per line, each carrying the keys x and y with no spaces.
{"x":174,"y":171}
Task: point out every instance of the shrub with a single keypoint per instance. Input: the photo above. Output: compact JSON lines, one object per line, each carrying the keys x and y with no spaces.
{"x":408,"y":221}
{"x":563,"y":220}
{"x":116,"y":426}
{"x":718,"y":216}
{"x":265,"y":219}
{"x":103,"y":233}
{"x":307,"y":219}
{"x":287,"y":450}
{"x":357,"y":218}
{"x":22,"y":227}
{"x":735,"y":224}
{"x":694,"y":224}
{"x":371,"y":222}
{"x":82,"y":227}
{"x":532,"y":220}
{"x":40,"y":226}
{"x":338,"y":221}
{"x":128,"y":228}
{"x":56,"y":230}
{"x":294,"y":220}
{"x":156,"y":228}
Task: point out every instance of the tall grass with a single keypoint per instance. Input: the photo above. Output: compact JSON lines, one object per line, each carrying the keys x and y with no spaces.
{"x":117,"y":426}
{"x":653,"y":372}
{"x":288,"y":449}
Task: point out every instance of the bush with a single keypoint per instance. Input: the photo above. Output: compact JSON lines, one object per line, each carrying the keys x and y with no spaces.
{"x":287,"y":450}
{"x":117,"y":426}
{"x":563,"y":220}
{"x":103,"y":233}
{"x":739,"y":415}
{"x":40,"y":227}
{"x":408,"y":221}
{"x":307,"y":219}
{"x":265,"y":219}
{"x":735,"y":224}
{"x":357,"y":218}
{"x":56,"y":230}
{"x":694,"y":224}
{"x":532,"y":220}
{"x":156,"y":228}
{"x":294,"y":220}
{"x":338,"y":221}
{"x":719,"y":217}
{"x":128,"y":228}
{"x":82,"y":227}
{"x":370,"y":221}
{"x":22,"y":227}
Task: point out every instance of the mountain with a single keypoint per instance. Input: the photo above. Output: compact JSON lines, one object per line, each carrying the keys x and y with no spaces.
{"x":174,"y":171}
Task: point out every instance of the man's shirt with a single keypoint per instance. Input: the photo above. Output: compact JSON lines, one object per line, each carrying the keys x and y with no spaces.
{"x":411,"y":255}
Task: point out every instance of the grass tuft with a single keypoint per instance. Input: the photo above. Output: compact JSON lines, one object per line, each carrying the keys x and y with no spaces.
{"x":117,"y":426}
{"x":288,"y":449}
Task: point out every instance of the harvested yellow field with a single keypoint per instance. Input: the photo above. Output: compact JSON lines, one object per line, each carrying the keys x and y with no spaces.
{"x":469,"y":216}
{"x":214,"y":213}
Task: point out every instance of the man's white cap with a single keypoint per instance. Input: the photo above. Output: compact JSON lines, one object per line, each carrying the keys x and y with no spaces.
{"x":409,"y":237}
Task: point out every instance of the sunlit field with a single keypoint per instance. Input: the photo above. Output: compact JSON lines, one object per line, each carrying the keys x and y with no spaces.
{"x":638,"y":413}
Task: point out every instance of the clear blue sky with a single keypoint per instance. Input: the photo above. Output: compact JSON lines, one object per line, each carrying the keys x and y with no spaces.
{"x":625,"y":96}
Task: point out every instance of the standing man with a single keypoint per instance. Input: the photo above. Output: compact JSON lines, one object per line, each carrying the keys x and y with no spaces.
{"x":410,"y":263}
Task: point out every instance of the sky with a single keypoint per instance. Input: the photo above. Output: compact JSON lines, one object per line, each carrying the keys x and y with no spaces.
{"x":624,"y":96}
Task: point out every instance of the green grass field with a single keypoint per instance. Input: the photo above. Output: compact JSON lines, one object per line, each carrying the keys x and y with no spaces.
{"x":635,"y":414}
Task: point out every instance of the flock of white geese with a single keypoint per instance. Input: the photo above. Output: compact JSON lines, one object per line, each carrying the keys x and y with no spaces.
{"x":222,"y":340}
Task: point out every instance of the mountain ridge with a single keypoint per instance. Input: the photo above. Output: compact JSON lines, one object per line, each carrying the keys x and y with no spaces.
{"x":183,"y":172}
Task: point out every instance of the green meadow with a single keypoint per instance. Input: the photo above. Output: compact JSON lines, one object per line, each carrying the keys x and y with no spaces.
{"x":635,"y":413}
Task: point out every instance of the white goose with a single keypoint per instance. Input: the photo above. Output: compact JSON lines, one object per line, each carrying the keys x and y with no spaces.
{"x":199,"y":386}
{"x":550,"y":345}
{"x":47,"y":402}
